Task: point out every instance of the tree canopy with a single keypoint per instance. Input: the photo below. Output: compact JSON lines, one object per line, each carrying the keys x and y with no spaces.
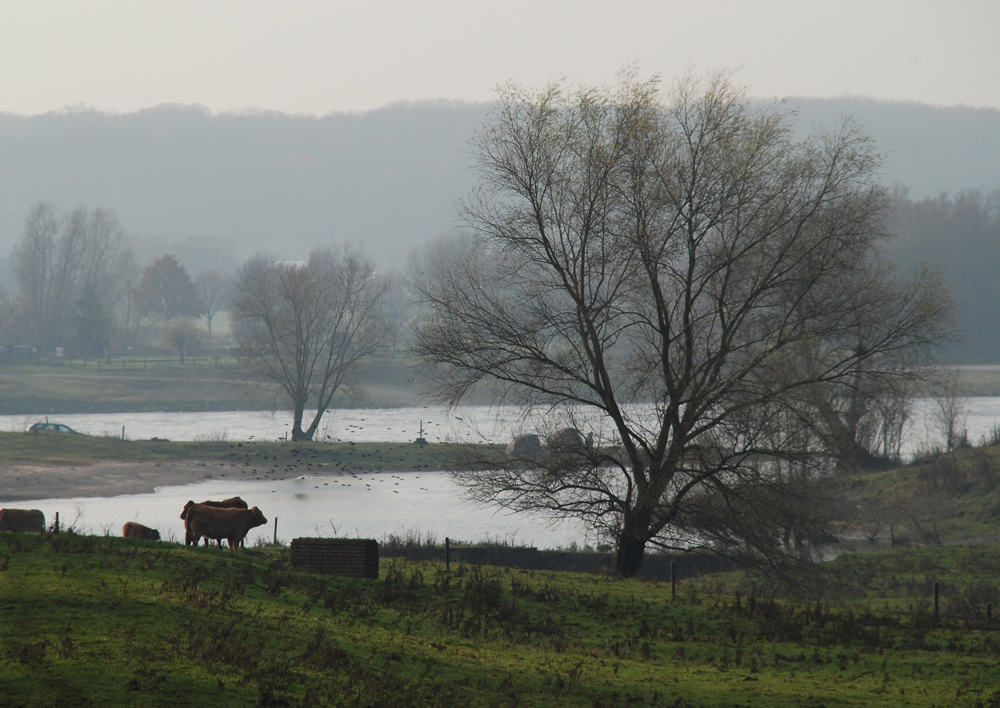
{"x":166,"y":291}
{"x":706,"y":294}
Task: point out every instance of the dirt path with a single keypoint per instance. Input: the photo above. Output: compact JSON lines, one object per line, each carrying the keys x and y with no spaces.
{"x":100,"y":478}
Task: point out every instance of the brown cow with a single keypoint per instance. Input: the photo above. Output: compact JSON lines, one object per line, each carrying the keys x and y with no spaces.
{"x":231,"y":503}
{"x":22,"y":520}
{"x":134,"y":530}
{"x":219,"y":523}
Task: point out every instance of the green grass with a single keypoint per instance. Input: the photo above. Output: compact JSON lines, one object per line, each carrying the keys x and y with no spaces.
{"x":60,"y":448}
{"x":203,"y":384}
{"x":943,"y":498}
{"x":92,"y":621}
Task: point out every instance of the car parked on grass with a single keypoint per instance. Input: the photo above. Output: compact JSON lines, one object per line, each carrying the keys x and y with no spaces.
{"x":47,"y":427}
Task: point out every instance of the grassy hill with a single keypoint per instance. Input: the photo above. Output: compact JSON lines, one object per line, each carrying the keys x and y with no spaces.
{"x":97,"y":621}
{"x":943,"y":498}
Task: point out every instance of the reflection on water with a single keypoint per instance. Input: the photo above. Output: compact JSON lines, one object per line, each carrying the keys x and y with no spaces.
{"x":358,"y":506}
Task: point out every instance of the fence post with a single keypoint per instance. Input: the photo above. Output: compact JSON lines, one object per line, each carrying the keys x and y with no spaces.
{"x":275,"y":539}
{"x":57,"y":522}
{"x":673,"y":579}
{"x":935,"y":599}
{"x":447,"y":554}
{"x":123,"y":432}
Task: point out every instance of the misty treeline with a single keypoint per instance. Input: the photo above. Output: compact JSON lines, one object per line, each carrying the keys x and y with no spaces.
{"x":960,"y":234}
{"x":73,"y":284}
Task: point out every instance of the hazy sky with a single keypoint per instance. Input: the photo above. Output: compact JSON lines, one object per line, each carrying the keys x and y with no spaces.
{"x":322,"y":57}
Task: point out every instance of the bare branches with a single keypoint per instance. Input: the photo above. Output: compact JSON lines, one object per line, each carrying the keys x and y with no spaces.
{"x":690,"y":257}
{"x":304,"y":326}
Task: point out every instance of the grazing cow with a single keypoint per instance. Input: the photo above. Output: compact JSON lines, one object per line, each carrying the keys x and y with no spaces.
{"x":22,"y":520}
{"x":134,"y":530}
{"x":231,"y":503}
{"x":220,"y":523}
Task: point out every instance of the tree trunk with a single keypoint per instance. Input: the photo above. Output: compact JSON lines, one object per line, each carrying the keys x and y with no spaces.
{"x":628,"y":559}
{"x":297,"y":432}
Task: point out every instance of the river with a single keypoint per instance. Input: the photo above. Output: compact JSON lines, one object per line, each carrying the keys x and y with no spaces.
{"x":373,"y":505}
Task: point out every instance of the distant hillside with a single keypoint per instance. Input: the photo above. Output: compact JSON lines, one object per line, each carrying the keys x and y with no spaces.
{"x":927,"y":149}
{"x":256,"y":180}
{"x":388,"y":177}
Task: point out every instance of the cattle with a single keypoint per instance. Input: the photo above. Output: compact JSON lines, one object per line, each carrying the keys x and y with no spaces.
{"x":31,"y":520}
{"x":134,"y":530}
{"x":231,"y":503}
{"x":220,"y":523}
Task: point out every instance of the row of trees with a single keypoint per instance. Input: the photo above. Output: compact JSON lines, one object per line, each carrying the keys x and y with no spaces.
{"x":75,"y":284}
{"x":301,"y":326}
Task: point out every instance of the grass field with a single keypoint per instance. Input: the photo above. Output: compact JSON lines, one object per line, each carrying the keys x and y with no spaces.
{"x":203,"y":384}
{"x":96,"y":621}
{"x":939,"y":499}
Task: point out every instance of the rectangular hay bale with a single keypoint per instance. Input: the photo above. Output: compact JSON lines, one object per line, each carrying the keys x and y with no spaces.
{"x":352,"y":557}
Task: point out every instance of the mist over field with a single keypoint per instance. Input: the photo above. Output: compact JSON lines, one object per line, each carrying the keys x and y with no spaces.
{"x":238,"y":183}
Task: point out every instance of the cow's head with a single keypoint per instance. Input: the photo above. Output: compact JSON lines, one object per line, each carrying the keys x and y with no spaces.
{"x":257,"y":518}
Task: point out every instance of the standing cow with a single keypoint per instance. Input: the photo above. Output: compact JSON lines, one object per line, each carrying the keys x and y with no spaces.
{"x":31,"y":520}
{"x":220,"y":523}
{"x":134,"y":530}
{"x":231,"y":503}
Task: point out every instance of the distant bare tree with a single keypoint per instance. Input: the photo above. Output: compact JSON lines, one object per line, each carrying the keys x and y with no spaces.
{"x":398,"y":308}
{"x":71,"y":275}
{"x":697,"y":282}
{"x":179,"y":334}
{"x":213,"y":289}
{"x":306,"y":326}
{"x":949,"y":414}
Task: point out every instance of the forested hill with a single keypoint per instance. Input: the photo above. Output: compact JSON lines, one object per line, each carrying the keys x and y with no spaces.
{"x":267,"y":181}
{"x":214,"y":188}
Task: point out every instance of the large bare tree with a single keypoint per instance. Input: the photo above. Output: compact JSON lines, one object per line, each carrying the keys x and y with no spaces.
{"x":697,"y":281}
{"x":305,"y":326}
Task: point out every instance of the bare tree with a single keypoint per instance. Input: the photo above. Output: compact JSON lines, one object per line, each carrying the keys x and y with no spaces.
{"x":305,"y":326}
{"x":213,"y":289}
{"x":690,"y":276}
{"x":949,"y":414}
{"x":397,"y":307}
{"x":179,"y":334}
{"x":71,"y":275}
